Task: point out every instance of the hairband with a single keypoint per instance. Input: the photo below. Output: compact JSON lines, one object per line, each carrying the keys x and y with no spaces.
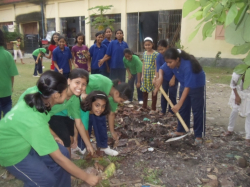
{"x":101,"y":95}
{"x":179,"y":51}
{"x":148,"y":38}
{"x":40,"y":92}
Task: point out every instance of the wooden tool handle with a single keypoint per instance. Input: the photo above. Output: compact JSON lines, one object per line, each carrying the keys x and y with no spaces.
{"x":177,"y":114}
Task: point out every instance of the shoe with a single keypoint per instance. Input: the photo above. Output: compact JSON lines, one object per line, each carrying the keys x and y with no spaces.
{"x":127,"y":102}
{"x":43,"y":67}
{"x":78,"y":149}
{"x":110,"y":152}
{"x":36,"y":76}
{"x":140,"y":102}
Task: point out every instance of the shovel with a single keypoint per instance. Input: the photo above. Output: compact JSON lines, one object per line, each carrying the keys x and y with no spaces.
{"x":178,"y":116}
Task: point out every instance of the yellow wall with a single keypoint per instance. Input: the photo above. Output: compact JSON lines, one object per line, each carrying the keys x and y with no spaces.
{"x":26,"y":8}
{"x":207,"y":48}
{"x":70,"y":9}
{"x":7,"y":14}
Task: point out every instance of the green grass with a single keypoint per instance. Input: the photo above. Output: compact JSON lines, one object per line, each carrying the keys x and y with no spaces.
{"x":152,"y":176}
{"x":219,"y":75}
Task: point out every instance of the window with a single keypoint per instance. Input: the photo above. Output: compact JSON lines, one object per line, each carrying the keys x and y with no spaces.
{"x":51,"y":26}
{"x":116,"y":24}
{"x":220,"y":32}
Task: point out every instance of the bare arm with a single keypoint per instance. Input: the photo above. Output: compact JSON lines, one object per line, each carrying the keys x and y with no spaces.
{"x":143,"y":66}
{"x":172,"y":81}
{"x":184,"y":95}
{"x":57,"y":139}
{"x":105,"y":58}
{"x":50,"y":55}
{"x":71,"y":168}
{"x":111,"y":120}
{"x":12,"y":81}
{"x":70,"y":64}
{"x":56,"y":66}
{"x":237,"y":97}
{"x":73,"y":59}
{"x":129,"y":74}
{"x":138,"y":84}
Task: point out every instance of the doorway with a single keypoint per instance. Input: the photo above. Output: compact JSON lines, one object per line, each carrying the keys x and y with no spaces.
{"x":30,"y":32}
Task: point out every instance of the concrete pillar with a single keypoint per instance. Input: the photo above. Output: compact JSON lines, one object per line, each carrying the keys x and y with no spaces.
{"x":124,"y":18}
{"x":57,"y":19}
{"x":87,"y":26}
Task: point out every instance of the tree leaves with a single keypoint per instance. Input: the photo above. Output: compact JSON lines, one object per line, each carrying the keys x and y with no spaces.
{"x":247,"y":59}
{"x":246,"y":79}
{"x":240,"y":15}
{"x":242,"y":49}
{"x":246,"y":29}
{"x":206,"y":29}
{"x":192,"y":35}
{"x":240,"y":69}
{"x":189,"y":6}
{"x":232,"y":13}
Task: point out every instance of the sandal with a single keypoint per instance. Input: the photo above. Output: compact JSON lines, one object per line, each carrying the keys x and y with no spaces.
{"x":228,"y":133}
{"x":161,"y":114}
{"x":173,"y":135}
{"x":152,"y":112}
{"x":198,"y":142}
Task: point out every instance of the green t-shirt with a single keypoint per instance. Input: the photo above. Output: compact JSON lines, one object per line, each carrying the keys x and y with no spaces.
{"x":72,"y":105}
{"x":21,"y":129}
{"x":101,"y":83}
{"x":134,"y":66}
{"x":39,"y":50}
{"x":16,"y":45}
{"x":85,"y":119}
{"x":7,"y":70}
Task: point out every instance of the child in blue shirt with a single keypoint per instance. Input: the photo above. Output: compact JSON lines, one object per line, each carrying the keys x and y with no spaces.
{"x":62,"y":58}
{"x":192,"y":90}
{"x":170,"y":83}
{"x":115,"y":54}
{"x":107,"y":36}
{"x":97,"y":52}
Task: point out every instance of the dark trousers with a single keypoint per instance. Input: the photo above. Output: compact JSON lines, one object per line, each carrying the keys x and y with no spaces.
{"x":35,"y":170}
{"x":145,"y":101}
{"x":100,"y":130}
{"x":118,"y":73}
{"x":38,"y":66}
{"x":100,"y":71}
{"x":132,"y":82}
{"x":5,"y":105}
{"x":172,"y":92}
{"x":196,"y":100}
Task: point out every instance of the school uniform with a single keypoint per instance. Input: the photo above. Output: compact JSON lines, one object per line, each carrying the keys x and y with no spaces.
{"x":196,"y":98}
{"x":97,"y":53}
{"x":62,"y":59}
{"x":8,"y":69}
{"x":25,"y":145}
{"x":115,"y":51}
{"x":38,"y":66}
{"x":98,"y":123}
{"x":135,"y":67}
{"x":171,"y":90}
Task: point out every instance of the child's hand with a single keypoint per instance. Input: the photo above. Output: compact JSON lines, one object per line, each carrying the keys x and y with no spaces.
{"x":100,"y":62}
{"x":138,"y":85}
{"x":237,"y":100}
{"x":89,"y":69}
{"x":172,"y":82}
{"x":61,"y":71}
{"x":76,"y":66}
{"x":129,"y":76}
{"x":90,"y":150}
{"x":176,"y":108}
{"x":74,"y":144}
{"x":36,"y":61}
{"x":142,"y":78}
{"x":114,"y":135}
{"x":58,"y":140}
{"x":92,"y":180}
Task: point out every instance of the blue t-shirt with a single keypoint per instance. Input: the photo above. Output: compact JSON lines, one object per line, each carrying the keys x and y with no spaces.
{"x":106,"y":42}
{"x":185,"y":75}
{"x":62,"y":58}
{"x":115,"y":50}
{"x":168,"y":73}
{"x":96,"y":54}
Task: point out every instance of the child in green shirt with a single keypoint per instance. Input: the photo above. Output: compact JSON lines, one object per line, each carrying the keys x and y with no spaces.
{"x":16,"y":48}
{"x":133,"y":65}
{"x":28,"y":149}
{"x":38,"y":57}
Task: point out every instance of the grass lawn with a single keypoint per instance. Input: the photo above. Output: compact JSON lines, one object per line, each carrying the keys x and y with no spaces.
{"x":219,"y":75}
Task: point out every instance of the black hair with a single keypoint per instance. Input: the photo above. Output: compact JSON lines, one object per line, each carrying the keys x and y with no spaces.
{"x":123,"y":88}
{"x":117,"y":31}
{"x":18,"y":38}
{"x":80,"y":34}
{"x":49,"y":83}
{"x":128,"y":51}
{"x":97,"y":34}
{"x":2,"y":43}
{"x":162,"y":43}
{"x":79,"y":73}
{"x":52,"y":42}
{"x":61,"y":37}
{"x":86,"y":104}
{"x":107,"y":29}
{"x":173,"y":53}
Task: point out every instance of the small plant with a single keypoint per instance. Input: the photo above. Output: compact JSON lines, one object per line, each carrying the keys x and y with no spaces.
{"x":101,"y":21}
{"x":152,"y":176}
{"x":217,"y":57}
{"x":178,"y":45}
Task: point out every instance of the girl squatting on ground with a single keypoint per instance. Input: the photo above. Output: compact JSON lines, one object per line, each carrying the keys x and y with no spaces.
{"x":239,"y":102}
{"x":80,"y":53}
{"x":97,"y":52}
{"x":148,"y":73}
{"x":115,"y":54}
{"x":170,"y":83}
{"x":26,"y":141}
{"x":133,"y":65}
{"x":192,"y":90}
